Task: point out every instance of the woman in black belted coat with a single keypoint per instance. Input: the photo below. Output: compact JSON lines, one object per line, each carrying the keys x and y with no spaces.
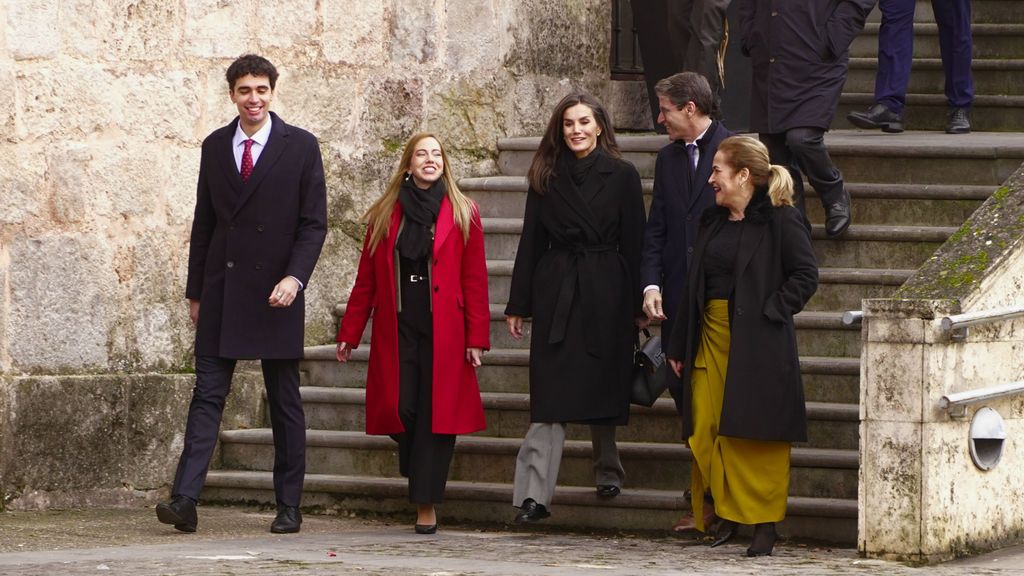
{"x":577,"y":275}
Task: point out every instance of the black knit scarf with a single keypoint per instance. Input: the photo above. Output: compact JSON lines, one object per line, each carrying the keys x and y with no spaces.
{"x":420,"y":208}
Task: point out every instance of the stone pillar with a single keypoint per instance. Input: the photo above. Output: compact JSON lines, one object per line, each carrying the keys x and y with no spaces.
{"x":921,"y":499}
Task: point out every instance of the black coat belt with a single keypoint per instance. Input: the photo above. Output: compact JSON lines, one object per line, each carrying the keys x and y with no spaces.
{"x":566,"y":292}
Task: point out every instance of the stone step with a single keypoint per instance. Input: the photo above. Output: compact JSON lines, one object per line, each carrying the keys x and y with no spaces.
{"x":930,"y":112}
{"x":828,"y":519}
{"x":504,"y":197}
{"x":830,"y":425}
{"x":991,"y":76}
{"x":982,"y":12}
{"x":818,"y":333}
{"x":825,"y":378}
{"x":915,"y":157}
{"x":838,"y":288}
{"x":822,"y":472}
{"x":1000,"y":40}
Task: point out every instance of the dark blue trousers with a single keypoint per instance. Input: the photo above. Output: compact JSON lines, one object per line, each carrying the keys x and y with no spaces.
{"x":896,"y":50}
{"x":287,"y":418}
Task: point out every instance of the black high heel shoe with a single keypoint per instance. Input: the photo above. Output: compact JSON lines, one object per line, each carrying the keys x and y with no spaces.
{"x":726,"y":530}
{"x":764,"y":540}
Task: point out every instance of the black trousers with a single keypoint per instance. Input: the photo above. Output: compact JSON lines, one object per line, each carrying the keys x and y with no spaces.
{"x":423,"y":457}
{"x":803,"y":151}
{"x":287,"y":418}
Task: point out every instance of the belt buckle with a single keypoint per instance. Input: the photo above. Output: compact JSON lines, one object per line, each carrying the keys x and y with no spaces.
{"x":416,"y":278}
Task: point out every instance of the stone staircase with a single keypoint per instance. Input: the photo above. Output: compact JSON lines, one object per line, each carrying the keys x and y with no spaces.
{"x":910,"y":193}
{"x":998,"y":66}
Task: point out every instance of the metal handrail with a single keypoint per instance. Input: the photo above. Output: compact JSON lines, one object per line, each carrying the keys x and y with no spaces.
{"x":956,"y":403}
{"x":950,"y":323}
{"x":957,"y":324}
{"x":852,"y":317}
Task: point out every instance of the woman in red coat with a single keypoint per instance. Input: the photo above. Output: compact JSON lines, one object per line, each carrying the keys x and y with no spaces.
{"x":423,"y":276}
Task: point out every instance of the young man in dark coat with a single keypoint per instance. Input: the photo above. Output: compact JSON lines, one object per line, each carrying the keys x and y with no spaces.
{"x":800,"y":53}
{"x":260,"y":222}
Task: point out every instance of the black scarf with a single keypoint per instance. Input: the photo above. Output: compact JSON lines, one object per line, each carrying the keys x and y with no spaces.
{"x":420,"y":208}
{"x":579,"y":168}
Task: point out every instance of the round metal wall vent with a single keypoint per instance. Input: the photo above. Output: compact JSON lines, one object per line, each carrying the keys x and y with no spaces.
{"x":988,"y":434}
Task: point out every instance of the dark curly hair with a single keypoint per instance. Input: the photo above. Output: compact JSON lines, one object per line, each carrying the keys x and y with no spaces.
{"x":251,"y":64}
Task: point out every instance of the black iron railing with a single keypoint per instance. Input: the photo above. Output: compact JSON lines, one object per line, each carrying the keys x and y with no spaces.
{"x":625,"y":48}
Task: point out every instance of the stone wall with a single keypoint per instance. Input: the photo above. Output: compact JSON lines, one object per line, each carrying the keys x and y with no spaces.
{"x":921,"y":497}
{"x":107,"y":104}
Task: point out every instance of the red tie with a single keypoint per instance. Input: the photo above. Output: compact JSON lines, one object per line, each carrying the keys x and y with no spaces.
{"x":247,"y":161}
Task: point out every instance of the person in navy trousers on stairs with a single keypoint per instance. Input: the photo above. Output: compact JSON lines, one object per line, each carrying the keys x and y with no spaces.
{"x":896,"y":52}
{"x":260,"y":223}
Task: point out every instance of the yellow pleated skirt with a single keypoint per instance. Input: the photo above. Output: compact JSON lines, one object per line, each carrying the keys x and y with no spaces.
{"x":748,"y":479}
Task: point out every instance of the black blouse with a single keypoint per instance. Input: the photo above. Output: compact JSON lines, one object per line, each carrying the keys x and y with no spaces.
{"x":720,"y":260}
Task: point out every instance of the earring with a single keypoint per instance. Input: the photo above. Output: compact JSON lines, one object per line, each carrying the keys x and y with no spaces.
{"x":407,"y":176}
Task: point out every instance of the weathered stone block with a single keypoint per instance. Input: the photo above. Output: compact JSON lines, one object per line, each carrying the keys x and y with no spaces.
{"x":216,"y":29}
{"x":286,"y":23}
{"x":628,"y":105}
{"x":46,"y":109}
{"x":22,"y":184}
{"x":138,"y":117}
{"x":33,"y":29}
{"x":354,"y":33}
{"x":394,"y":105}
{"x":86,"y":28}
{"x":897,"y":330}
{"x":568,"y":39}
{"x":335,"y":273}
{"x":477,"y":35}
{"x":69,"y":432}
{"x":147,"y":31}
{"x":416,"y":31}
{"x":893,"y":382}
{"x":889,"y":487}
{"x":324,"y":102}
{"x":62,"y":301}
{"x":7,"y":95}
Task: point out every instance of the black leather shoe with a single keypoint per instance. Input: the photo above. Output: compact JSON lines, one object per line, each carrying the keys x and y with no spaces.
{"x":288,"y":520}
{"x":425,"y":528}
{"x":878,"y":116}
{"x":180,"y":512}
{"x":837,"y":216}
{"x":764,"y":540}
{"x":726,"y":530}
{"x":530,"y":511}
{"x":959,"y":121}
{"x":608,"y":491}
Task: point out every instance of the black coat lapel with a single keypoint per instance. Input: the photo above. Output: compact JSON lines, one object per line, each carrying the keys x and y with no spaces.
{"x":707,"y":147}
{"x":276,"y":144}
{"x":226,"y":158}
{"x":573,"y":196}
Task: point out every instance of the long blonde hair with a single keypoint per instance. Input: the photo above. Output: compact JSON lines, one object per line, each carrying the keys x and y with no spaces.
{"x":742,"y":152}
{"x":378,"y":216}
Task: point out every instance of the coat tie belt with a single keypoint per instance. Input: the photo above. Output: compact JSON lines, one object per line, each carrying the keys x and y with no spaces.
{"x":581,"y":271}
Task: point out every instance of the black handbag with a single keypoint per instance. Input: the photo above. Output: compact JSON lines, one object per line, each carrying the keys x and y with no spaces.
{"x":648,"y":371}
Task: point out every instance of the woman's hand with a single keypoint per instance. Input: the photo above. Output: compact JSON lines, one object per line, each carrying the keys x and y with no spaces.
{"x":677,"y":367}
{"x":474,"y":356}
{"x":515,"y":326}
{"x":344,"y":352}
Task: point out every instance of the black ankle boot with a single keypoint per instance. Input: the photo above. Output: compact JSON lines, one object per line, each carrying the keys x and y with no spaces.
{"x":764,"y":540}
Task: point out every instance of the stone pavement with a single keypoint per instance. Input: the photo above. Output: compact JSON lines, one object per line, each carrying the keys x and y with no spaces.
{"x":235,"y":541}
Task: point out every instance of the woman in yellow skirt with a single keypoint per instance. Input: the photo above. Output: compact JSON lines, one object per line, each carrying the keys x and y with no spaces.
{"x":753,"y":270}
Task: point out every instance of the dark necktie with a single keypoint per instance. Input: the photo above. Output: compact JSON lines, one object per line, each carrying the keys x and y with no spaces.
{"x":247,"y":161}
{"x":691,"y":153}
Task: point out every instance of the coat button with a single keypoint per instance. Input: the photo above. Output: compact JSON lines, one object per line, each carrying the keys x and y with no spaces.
{"x":739,"y":311}
{"x":689,"y":217}
{"x":435,"y":261}
{"x":231,"y":263}
{"x":689,"y":250}
{"x":771,"y":60}
{"x":435,"y":288}
{"x":259,"y":227}
{"x":259,"y":266}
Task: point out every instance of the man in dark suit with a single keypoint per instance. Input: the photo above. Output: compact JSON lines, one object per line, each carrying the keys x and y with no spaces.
{"x":260,"y":222}
{"x":896,"y":53}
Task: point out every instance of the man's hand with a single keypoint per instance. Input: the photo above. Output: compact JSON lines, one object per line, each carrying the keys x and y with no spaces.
{"x":344,"y":352}
{"x":193,"y":311}
{"x":474,"y":356}
{"x":652,"y":305}
{"x":284,"y":293}
{"x":515,"y":326}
